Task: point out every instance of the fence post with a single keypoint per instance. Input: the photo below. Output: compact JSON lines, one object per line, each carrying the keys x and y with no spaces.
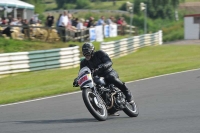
{"x":160,"y":37}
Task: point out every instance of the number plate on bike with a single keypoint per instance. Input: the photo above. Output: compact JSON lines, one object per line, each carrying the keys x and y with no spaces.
{"x":84,"y":79}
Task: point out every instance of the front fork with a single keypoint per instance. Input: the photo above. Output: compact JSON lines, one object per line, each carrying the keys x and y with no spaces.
{"x":98,"y":99}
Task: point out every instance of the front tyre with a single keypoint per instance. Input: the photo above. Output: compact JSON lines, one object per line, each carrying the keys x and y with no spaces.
{"x":131,"y":109}
{"x":95,"y":107}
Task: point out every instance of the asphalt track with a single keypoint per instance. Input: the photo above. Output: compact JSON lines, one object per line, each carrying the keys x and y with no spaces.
{"x":167,"y":104}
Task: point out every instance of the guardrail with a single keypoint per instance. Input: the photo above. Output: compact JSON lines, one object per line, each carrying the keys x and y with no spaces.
{"x":39,"y":60}
{"x":125,"y":46}
{"x":11,"y":63}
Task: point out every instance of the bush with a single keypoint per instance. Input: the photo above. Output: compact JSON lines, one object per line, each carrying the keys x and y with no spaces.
{"x":69,"y":6}
{"x":123,"y":7}
{"x":82,"y":4}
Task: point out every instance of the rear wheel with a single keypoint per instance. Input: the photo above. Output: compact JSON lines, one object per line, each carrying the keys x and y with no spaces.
{"x":131,"y":109}
{"x":94,"y":104}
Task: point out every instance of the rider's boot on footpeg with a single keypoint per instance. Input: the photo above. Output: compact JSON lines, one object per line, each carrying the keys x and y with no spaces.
{"x":129,"y":96}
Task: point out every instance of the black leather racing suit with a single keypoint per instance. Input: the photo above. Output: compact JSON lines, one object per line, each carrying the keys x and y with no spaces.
{"x":110,"y":75}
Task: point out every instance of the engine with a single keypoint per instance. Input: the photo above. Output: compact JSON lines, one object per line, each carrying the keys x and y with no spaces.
{"x":112,"y":96}
{"x":119,"y":101}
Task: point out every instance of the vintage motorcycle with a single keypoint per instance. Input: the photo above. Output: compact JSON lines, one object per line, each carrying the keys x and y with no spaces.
{"x":101,"y":98}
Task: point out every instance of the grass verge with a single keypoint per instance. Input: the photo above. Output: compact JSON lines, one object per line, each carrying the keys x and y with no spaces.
{"x":7,"y":46}
{"x":146,"y":62}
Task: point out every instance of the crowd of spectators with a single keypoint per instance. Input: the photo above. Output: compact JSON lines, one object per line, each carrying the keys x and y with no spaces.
{"x":70,"y":22}
{"x":65,"y":21}
{"x":8,"y":24}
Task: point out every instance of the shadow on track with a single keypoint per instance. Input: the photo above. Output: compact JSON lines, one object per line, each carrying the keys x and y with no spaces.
{"x":82,"y":120}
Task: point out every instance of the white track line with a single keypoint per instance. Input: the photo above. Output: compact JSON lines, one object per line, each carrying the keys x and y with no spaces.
{"x":4,"y":105}
{"x":163,"y":75}
{"x":40,"y":99}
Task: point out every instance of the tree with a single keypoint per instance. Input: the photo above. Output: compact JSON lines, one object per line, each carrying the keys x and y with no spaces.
{"x":158,"y":8}
{"x":39,"y":7}
{"x":114,"y":2}
{"x":82,"y":3}
{"x":61,"y":3}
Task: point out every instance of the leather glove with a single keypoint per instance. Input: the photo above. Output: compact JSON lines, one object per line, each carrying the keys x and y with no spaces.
{"x":95,"y":71}
{"x":75,"y":83}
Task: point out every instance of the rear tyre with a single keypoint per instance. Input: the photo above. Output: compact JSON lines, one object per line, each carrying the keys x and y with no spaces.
{"x":131,"y":109}
{"x":95,"y":107}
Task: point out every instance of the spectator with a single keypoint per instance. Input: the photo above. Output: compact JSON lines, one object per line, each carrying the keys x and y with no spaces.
{"x":70,"y":17}
{"x":50,"y":20}
{"x":120,"y":21}
{"x":4,"y":21}
{"x":75,"y":22}
{"x":19,"y":22}
{"x":58,"y":20}
{"x":80,"y":25}
{"x":31,"y":21}
{"x":121,"y":24}
{"x":35,"y":18}
{"x":25,"y":29}
{"x":123,"y":21}
{"x":86,"y":23}
{"x":7,"y":31}
{"x":10,"y":18}
{"x":101,"y":21}
{"x":39,"y":23}
{"x":110,"y":20}
{"x":70,"y":26}
{"x":0,"y":21}
{"x":14,"y":21}
{"x":57,"y":24}
{"x":91,"y":22}
{"x":63,"y":22}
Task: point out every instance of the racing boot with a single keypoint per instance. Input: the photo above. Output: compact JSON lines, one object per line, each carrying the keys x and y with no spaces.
{"x":128,"y":94}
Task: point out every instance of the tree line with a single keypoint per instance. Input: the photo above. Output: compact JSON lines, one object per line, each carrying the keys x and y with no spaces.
{"x":155,"y":8}
{"x":158,"y":8}
{"x":39,"y":7}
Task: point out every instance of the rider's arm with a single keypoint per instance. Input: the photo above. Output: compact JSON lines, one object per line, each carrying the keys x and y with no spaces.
{"x":106,"y":61}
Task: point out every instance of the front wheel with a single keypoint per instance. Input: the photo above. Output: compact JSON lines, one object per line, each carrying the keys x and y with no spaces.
{"x":94,"y":104}
{"x":131,"y":109}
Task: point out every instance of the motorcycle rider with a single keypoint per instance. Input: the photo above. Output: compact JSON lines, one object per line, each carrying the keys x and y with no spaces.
{"x":101,"y":60}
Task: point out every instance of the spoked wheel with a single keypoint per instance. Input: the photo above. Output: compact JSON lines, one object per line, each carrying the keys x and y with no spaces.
{"x":131,"y":109}
{"x":94,"y":104}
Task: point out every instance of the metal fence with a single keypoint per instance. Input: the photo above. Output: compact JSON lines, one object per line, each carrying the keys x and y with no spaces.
{"x":124,"y":46}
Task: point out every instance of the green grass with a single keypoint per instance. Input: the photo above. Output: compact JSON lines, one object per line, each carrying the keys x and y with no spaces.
{"x":11,"y":45}
{"x":106,"y":5}
{"x":192,"y":1}
{"x":51,"y":5}
{"x":146,"y":62}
